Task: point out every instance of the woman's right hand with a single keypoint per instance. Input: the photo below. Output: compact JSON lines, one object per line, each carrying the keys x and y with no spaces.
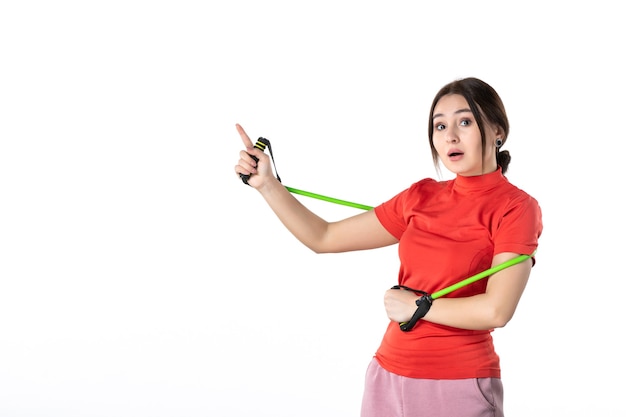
{"x":260,"y":170}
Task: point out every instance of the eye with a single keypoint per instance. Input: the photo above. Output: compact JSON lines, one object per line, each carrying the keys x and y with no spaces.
{"x":439,"y":126}
{"x":466,"y":122}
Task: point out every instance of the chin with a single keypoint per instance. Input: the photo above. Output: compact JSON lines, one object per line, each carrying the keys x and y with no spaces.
{"x":455,"y":169}
{"x":459,"y":169}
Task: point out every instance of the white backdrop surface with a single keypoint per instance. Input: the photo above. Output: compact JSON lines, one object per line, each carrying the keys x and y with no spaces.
{"x":139,"y":277}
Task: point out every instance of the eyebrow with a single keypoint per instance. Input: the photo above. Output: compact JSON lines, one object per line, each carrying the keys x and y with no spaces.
{"x":465,"y":110}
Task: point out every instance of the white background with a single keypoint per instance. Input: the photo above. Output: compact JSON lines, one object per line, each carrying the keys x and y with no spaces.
{"x":140,"y":277}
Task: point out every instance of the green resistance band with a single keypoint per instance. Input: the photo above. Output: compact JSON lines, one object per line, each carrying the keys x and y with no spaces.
{"x":426,"y":300}
{"x":329,"y":199}
{"x":440,"y":293}
{"x":262,"y":143}
{"x":481,"y":275}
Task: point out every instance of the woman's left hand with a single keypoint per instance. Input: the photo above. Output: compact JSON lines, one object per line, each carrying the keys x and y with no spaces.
{"x":400,"y":305}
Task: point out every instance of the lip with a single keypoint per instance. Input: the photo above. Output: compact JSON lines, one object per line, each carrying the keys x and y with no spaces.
{"x":455,"y":151}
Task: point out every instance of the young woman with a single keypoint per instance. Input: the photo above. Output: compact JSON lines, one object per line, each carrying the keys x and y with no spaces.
{"x":445,"y":364}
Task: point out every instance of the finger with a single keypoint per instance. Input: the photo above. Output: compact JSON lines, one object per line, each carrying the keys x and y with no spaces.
{"x":247,"y":162}
{"x":244,"y":136}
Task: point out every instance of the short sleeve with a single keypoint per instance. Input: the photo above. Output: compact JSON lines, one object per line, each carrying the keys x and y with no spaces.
{"x":520,"y":227}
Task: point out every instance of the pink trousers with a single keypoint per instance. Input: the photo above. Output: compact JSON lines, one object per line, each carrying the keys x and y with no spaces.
{"x":390,"y":395}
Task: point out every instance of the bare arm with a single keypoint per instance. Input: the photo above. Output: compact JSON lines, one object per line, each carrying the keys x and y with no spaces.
{"x":489,"y":310}
{"x":362,"y":231}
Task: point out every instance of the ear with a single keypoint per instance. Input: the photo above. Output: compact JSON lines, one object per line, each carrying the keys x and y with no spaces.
{"x":499,"y":132}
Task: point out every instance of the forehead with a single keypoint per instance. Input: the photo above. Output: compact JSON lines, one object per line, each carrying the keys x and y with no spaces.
{"x":450,"y":104}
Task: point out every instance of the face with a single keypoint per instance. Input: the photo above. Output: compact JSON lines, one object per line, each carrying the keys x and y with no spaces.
{"x":456,"y":137}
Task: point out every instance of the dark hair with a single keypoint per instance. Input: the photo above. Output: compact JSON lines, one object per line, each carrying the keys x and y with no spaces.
{"x":484,"y":102}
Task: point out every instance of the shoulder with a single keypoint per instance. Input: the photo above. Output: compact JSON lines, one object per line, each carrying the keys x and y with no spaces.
{"x":428,"y":185}
{"x":518,"y":196}
{"x":522,"y":208}
{"x":411,"y":196}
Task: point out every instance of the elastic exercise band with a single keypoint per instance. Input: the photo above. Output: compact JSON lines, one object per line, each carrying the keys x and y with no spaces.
{"x":446,"y":290}
{"x":262,"y":143}
{"x":481,"y":275}
{"x":330,"y":199}
{"x":426,"y":300}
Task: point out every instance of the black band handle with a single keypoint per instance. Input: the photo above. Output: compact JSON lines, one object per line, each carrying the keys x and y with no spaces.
{"x":261,"y":144}
{"x":423,"y":305}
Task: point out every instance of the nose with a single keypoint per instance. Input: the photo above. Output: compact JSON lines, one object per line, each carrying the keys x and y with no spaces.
{"x":451,"y":135}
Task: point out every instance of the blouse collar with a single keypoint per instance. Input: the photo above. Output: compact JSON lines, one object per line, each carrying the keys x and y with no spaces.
{"x":478,"y":183}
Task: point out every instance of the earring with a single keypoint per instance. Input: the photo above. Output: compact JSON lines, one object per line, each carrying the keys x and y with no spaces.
{"x":498,"y":142}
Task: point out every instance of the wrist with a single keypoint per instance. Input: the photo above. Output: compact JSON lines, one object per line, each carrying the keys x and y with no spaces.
{"x":269,"y":185}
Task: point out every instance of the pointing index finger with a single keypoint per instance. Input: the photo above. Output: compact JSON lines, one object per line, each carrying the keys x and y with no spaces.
{"x":244,"y":136}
